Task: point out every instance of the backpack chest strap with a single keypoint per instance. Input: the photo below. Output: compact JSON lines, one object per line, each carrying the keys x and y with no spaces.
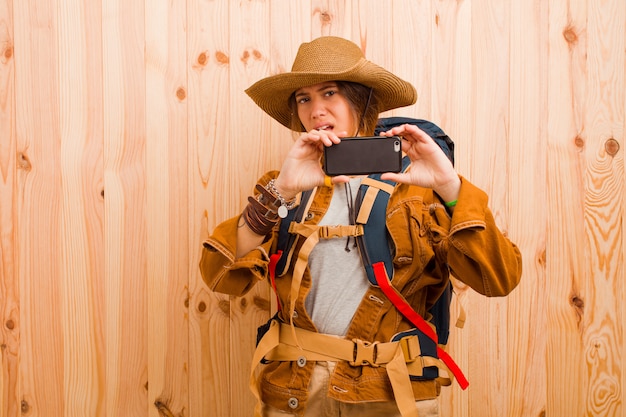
{"x":326,"y":231}
{"x":312,"y":233}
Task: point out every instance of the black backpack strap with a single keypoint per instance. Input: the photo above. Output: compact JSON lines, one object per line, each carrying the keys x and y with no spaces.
{"x":371,"y":207}
{"x":286,"y":240}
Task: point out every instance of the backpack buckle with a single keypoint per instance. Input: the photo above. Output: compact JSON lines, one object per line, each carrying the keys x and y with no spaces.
{"x":329,"y":232}
{"x":365,"y":353}
{"x":410,"y":346}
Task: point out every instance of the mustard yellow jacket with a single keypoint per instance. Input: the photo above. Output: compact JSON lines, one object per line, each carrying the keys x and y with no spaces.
{"x":427,"y":241}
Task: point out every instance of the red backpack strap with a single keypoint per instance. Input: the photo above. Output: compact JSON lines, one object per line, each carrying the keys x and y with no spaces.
{"x":272,"y":270}
{"x":418,"y":321}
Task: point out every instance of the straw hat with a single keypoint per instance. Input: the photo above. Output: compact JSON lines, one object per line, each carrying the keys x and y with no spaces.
{"x":329,"y":58}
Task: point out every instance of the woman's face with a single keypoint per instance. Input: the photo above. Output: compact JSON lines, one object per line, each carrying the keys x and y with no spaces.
{"x":323,"y":107}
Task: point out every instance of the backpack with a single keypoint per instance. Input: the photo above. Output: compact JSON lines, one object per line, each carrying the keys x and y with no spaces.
{"x":376,"y":253}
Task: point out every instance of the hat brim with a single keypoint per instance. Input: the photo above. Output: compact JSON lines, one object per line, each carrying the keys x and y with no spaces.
{"x":272,"y":93}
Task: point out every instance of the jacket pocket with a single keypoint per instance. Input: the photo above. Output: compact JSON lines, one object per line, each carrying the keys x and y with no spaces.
{"x":404,"y":224}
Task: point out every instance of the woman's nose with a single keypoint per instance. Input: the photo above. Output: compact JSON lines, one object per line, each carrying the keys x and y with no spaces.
{"x":317,"y":109}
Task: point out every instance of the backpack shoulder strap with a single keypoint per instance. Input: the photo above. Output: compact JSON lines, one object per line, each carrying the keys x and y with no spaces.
{"x":371,"y":207}
{"x":286,"y":239}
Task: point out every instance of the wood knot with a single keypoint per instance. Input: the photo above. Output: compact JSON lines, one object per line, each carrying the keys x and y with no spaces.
{"x":541,"y":259}
{"x":570,"y":35}
{"x":163,"y":409}
{"x":10,"y":324}
{"x":221,"y":58}
{"x":25,"y":407}
{"x":23,"y":162}
{"x":325,"y":18}
{"x":224,"y":306}
{"x":261,"y":303}
{"x":8,"y":52}
{"x":202,"y":306}
{"x":245,"y":57}
{"x":181,"y":93}
{"x":202,"y":59}
{"x":611,"y":146}
{"x":256,"y":55}
{"x":577,"y":302}
{"x":579,"y":142}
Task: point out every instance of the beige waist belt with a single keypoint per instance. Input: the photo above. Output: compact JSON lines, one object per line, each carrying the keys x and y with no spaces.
{"x":401,"y":359}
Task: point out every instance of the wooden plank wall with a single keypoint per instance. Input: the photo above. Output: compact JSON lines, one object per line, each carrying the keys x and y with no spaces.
{"x":125,"y":136}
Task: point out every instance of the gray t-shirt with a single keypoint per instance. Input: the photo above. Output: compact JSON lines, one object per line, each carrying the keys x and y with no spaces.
{"x":339,"y":280}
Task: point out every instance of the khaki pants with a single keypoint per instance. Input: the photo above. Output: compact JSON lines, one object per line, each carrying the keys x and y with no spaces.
{"x":319,"y":405}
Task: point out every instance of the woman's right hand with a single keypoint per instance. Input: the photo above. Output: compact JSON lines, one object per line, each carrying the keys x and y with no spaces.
{"x":302,"y":168}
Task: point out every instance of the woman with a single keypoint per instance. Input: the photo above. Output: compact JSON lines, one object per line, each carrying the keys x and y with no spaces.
{"x":334,"y":347}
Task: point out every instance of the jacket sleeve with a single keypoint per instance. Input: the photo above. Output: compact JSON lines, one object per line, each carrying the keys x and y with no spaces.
{"x":219,"y":268}
{"x":479,"y":254}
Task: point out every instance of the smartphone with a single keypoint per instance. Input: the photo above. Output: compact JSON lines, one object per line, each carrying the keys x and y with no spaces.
{"x":363,"y":155}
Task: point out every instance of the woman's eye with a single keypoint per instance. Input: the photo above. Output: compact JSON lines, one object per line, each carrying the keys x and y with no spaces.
{"x":331,"y":93}
{"x":302,"y":100}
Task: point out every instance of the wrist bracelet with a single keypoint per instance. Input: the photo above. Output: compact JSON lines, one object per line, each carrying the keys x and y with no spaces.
{"x":451,"y":203}
{"x":259,"y":219}
{"x":267,"y":199}
{"x":285,"y":205}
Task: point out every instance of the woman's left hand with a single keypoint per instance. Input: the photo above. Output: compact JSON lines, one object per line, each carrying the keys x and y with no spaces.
{"x":430,"y":167}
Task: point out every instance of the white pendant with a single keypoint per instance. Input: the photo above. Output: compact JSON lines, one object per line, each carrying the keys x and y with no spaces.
{"x":282,"y":212}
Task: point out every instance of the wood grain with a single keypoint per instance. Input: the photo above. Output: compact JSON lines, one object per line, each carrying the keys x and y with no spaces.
{"x":40,"y":257}
{"x":209,"y":60}
{"x":604,"y":182}
{"x":125,"y":218}
{"x":524,"y":200}
{"x":245,"y":155}
{"x":488,"y":168}
{"x":451,"y":104}
{"x":81,"y":278}
{"x":167,"y":207}
{"x":565,"y":251}
{"x":9,"y":285}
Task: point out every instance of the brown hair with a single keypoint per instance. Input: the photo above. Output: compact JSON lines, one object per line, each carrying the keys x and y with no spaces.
{"x":363,"y":101}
